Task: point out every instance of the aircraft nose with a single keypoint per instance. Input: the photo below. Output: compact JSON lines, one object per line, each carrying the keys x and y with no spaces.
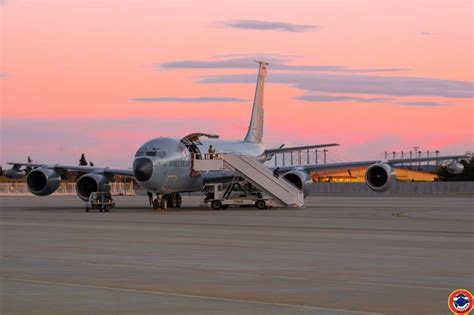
{"x":142,"y":169}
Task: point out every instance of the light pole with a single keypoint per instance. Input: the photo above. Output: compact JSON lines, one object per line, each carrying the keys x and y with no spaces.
{"x":416,"y":151}
{"x":419,"y":163}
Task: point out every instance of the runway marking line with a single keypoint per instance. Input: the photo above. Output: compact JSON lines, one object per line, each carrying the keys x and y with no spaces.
{"x":203,"y":297}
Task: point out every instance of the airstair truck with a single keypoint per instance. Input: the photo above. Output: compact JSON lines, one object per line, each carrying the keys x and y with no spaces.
{"x":247,"y":171}
{"x":219,"y":196}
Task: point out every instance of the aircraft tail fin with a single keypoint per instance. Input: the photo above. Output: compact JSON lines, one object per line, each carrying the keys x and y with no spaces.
{"x":255,"y":131}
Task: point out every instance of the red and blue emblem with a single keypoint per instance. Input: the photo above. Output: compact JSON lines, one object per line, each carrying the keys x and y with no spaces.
{"x":460,"y":302}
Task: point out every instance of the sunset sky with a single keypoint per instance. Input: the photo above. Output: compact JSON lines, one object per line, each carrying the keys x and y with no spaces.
{"x":102,"y":77}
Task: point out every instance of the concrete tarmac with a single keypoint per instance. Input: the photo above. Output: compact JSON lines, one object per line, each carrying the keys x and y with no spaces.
{"x":339,"y":255}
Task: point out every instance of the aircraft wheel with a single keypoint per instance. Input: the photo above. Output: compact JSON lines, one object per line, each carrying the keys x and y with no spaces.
{"x":170,"y":200}
{"x":260,"y":204}
{"x":87,"y":209}
{"x":216,"y":205}
{"x":179,"y":200}
{"x":174,"y":200}
{"x":156,"y":204}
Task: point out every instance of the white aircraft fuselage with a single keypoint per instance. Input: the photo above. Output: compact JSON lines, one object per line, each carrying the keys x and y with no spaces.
{"x":164,"y":165}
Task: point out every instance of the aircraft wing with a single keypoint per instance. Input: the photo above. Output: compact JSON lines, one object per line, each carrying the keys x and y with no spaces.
{"x":306,"y":147}
{"x":393,"y":162}
{"x":77,"y":168}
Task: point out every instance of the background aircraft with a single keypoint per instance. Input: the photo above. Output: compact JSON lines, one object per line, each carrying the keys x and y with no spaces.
{"x":163,"y":166}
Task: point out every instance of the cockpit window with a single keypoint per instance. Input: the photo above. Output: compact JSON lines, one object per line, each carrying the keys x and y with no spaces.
{"x":151,"y":153}
{"x":160,"y":154}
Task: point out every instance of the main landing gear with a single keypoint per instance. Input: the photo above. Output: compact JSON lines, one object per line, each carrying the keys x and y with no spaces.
{"x":165,"y":201}
{"x":173,"y":200}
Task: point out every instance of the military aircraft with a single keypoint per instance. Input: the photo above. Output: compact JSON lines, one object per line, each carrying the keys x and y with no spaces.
{"x":163,"y":166}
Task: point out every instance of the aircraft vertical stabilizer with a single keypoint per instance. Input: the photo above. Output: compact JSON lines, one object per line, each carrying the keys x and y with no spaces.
{"x":255,"y":131}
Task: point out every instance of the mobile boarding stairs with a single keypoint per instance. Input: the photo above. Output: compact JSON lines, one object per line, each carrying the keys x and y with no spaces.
{"x":283,"y":193}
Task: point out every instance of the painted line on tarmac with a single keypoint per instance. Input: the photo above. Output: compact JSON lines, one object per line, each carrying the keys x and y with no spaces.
{"x":203,"y":297}
{"x":233,"y":273}
{"x":70,"y":222}
{"x":400,"y":285}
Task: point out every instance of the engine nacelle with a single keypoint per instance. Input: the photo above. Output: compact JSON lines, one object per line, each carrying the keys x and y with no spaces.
{"x":380,"y":176}
{"x":89,"y":183}
{"x":14,"y":173}
{"x":300,"y":179}
{"x":43,"y":181}
{"x":455,"y":167}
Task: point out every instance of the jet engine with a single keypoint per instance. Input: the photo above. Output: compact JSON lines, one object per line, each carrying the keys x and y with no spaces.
{"x":89,"y":183}
{"x":455,"y":167}
{"x":379,"y":177}
{"x":300,"y":179}
{"x":15,"y":173}
{"x":43,"y":181}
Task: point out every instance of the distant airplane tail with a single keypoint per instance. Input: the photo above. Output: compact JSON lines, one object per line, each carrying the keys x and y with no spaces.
{"x":255,"y":131}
